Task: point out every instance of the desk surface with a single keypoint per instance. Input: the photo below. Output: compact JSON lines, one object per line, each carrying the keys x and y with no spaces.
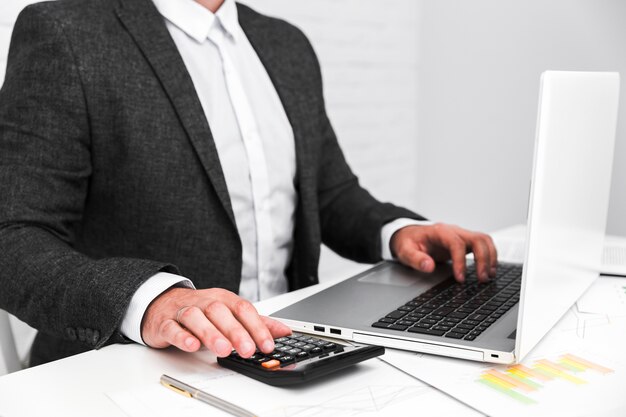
{"x":78,"y":386}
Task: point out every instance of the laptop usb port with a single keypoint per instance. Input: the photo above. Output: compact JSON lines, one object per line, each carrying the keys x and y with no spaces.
{"x":335,"y":331}
{"x":319,"y":328}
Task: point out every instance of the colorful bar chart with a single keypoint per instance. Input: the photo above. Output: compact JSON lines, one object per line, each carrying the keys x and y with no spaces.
{"x":519,"y":382}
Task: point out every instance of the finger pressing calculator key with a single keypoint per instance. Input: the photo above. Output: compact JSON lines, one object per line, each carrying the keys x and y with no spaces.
{"x":299,"y":358}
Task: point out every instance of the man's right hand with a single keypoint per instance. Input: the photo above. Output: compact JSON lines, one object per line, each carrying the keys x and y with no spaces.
{"x":216,"y":318}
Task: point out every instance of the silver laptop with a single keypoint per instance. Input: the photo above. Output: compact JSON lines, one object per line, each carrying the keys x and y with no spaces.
{"x":501,"y":321}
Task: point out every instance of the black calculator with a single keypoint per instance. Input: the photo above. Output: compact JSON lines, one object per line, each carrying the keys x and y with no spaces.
{"x":299,"y":358}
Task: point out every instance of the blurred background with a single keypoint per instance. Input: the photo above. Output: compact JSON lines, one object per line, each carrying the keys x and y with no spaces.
{"x":435,"y":102}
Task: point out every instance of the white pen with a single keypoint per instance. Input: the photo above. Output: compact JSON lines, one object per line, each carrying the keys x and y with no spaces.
{"x":191,"y":392}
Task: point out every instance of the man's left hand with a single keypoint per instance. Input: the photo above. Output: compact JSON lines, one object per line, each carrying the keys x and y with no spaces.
{"x":421,"y":246}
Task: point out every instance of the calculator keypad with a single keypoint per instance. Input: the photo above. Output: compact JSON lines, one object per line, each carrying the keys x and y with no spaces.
{"x":290,"y":349}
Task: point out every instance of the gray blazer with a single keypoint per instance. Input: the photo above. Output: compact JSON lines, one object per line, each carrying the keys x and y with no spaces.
{"x":109,"y":173}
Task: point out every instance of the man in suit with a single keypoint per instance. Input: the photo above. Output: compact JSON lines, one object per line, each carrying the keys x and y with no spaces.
{"x":157,"y":158}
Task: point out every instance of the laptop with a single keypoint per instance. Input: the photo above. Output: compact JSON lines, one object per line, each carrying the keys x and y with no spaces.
{"x":502,"y":320}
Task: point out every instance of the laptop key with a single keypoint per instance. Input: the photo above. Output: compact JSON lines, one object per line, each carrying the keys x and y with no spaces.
{"x":381,"y":325}
{"x":431,"y":332}
{"x":386,"y":320}
{"x":469,"y":337}
{"x":396,"y":314}
{"x":454,"y":335}
{"x":457,"y":315}
{"x":397,"y":327}
{"x":443,"y":311}
{"x":460,"y":330}
{"x":477,"y":317}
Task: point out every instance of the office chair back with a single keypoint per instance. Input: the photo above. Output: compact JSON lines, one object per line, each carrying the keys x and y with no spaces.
{"x":9,"y":359}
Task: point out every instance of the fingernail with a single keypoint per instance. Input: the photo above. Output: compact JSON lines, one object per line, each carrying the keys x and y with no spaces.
{"x":424,"y":265}
{"x":189,"y":342}
{"x":493,"y":271}
{"x":221,"y":346}
{"x":268,"y":346}
{"x":460,"y":277}
{"x":246,"y":347}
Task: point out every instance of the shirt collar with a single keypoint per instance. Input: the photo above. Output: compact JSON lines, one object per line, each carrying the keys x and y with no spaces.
{"x":196,"y":20}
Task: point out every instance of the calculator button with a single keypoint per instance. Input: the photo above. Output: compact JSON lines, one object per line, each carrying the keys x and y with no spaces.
{"x":294,"y":351}
{"x":308,"y":347}
{"x":286,"y":359}
{"x":271,"y":364}
{"x":281,"y":339}
{"x":316,"y":351}
{"x":254,"y":358}
{"x":277,"y":355}
{"x":299,"y":344}
{"x":302,"y":356}
{"x":329,"y":346}
{"x":283,"y":348}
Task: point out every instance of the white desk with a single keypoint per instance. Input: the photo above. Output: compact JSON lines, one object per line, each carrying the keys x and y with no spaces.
{"x":77,"y":386}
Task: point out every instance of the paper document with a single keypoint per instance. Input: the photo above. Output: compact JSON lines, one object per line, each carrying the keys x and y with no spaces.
{"x":372,"y":388}
{"x":607,"y":295}
{"x":579,"y":369}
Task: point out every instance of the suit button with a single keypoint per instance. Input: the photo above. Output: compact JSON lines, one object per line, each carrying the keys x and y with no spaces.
{"x":95,"y":337}
{"x":70,"y":333}
{"x":81,"y":334}
{"x":88,"y":335}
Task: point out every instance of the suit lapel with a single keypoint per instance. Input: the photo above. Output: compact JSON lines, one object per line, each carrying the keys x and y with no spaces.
{"x":146,"y":26}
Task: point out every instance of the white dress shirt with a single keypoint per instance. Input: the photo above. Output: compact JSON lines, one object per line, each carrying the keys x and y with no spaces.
{"x":251,"y":133}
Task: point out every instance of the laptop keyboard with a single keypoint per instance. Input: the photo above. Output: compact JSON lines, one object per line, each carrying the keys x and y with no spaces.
{"x":458,"y":311}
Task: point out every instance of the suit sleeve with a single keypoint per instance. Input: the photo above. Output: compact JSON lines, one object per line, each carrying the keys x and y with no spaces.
{"x":44,"y":178}
{"x":351,"y":218}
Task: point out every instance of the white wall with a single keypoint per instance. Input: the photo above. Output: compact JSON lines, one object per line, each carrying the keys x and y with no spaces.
{"x":478,"y":91}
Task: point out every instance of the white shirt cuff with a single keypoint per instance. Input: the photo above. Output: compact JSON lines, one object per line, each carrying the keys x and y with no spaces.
{"x":392,"y":227}
{"x":145,"y":294}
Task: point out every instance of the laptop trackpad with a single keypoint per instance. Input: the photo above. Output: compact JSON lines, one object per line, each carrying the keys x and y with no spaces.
{"x":399,"y":277}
